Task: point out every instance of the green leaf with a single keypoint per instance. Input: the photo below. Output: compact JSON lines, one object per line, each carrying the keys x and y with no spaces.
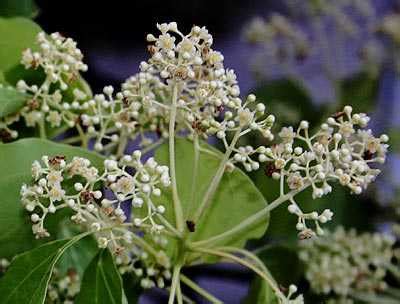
{"x":77,"y":258}
{"x":132,"y":288}
{"x":13,"y":8}
{"x":101,"y":282}
{"x":10,"y":101}
{"x":15,"y":166}
{"x":17,"y":34}
{"x":359,"y":91}
{"x":15,"y":226}
{"x":27,"y":278}
{"x":261,"y":293}
{"x":235,"y":199}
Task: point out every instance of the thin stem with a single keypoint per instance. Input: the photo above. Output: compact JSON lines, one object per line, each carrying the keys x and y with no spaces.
{"x":246,"y":264}
{"x":185,"y":298}
{"x":175,"y":195}
{"x":123,"y":140}
{"x":248,"y":255}
{"x":213,"y":186}
{"x":174,"y":284}
{"x":195,"y":168}
{"x":210,"y":152}
{"x":250,"y":220}
{"x":199,"y":290}
{"x":179,"y":296}
{"x":42,"y":128}
{"x":83,"y":136}
{"x":167,"y":224}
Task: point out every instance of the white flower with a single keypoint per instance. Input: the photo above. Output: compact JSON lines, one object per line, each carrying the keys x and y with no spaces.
{"x":287,"y":135}
{"x":54,"y":178}
{"x":56,"y":193}
{"x":54,"y":118}
{"x":295,"y":181}
{"x":125,"y":185}
{"x":36,"y":170}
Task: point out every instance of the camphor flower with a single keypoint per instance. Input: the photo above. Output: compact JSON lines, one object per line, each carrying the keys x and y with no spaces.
{"x":342,"y":151}
{"x":74,"y":185}
{"x":343,"y":262}
{"x":61,"y":62}
{"x":185,"y":81}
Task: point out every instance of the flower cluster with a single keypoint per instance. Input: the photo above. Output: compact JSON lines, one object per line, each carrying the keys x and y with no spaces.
{"x":51,"y":191}
{"x":112,"y":120}
{"x":343,"y":262}
{"x":342,"y":150}
{"x":75,"y":185}
{"x":190,"y":85}
{"x":61,"y":61}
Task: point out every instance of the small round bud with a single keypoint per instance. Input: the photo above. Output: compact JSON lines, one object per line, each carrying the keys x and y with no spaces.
{"x":161,"y":209}
{"x":35,"y":218}
{"x":292,"y":289}
{"x":78,"y":186}
{"x":304,"y":124}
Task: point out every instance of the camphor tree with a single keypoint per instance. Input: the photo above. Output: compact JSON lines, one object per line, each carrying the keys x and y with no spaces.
{"x":174,"y":202}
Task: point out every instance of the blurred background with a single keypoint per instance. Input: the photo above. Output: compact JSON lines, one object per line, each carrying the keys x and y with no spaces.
{"x":303,"y":59}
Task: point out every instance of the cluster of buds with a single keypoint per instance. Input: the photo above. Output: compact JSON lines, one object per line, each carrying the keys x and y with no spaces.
{"x":63,"y":289}
{"x":61,"y":62}
{"x":58,"y":56}
{"x":59,"y":184}
{"x":344,"y":262}
{"x":342,"y":150}
{"x":190,"y":72}
{"x":128,"y":114}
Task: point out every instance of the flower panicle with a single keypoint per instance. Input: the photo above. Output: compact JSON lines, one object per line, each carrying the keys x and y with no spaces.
{"x":343,"y":150}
